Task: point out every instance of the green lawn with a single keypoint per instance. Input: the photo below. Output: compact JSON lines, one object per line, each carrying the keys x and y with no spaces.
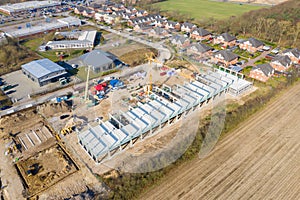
{"x":34,"y":43}
{"x":200,"y":9}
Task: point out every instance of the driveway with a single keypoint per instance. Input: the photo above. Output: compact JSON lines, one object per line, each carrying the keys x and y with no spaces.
{"x":252,"y":61}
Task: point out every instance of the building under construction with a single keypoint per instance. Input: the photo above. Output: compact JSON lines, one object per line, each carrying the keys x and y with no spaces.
{"x":164,"y":106}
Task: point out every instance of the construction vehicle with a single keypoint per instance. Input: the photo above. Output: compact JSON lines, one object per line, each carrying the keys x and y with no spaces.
{"x":32,"y":169}
{"x":70,"y":126}
{"x":57,"y":137}
{"x":67,"y":130}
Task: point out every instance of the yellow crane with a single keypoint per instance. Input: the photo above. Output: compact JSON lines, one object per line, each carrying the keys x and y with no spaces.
{"x":150,"y":58}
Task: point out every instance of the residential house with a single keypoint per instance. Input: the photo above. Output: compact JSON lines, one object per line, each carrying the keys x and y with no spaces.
{"x":88,"y":13}
{"x":118,"y":13}
{"x":96,"y":7}
{"x":293,"y":54}
{"x":128,"y":16}
{"x":188,"y":27}
{"x":106,"y":9}
{"x":225,"y":39}
{"x":130,"y":10}
{"x":159,"y":22}
{"x":173,"y":26}
{"x":281,"y":63}
{"x":142,"y":28}
{"x":141,"y":13}
{"x":252,"y":45}
{"x":225,"y":57}
{"x":106,"y":17}
{"x":199,"y":49}
{"x":200,"y":34}
{"x":180,"y":41}
{"x":262,"y":72}
{"x":159,"y":32}
{"x":79,"y":10}
{"x":118,"y":7}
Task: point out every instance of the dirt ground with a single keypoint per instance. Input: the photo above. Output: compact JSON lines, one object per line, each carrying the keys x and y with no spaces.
{"x":23,"y":124}
{"x":259,"y":160}
{"x":47,"y":167}
{"x":19,"y":122}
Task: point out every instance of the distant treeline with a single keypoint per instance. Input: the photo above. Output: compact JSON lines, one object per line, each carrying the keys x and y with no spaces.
{"x":13,"y":55}
{"x":280,"y":24}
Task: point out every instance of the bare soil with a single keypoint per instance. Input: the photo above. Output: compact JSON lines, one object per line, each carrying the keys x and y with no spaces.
{"x":259,"y":160}
{"x":49,"y":167}
{"x":19,"y":122}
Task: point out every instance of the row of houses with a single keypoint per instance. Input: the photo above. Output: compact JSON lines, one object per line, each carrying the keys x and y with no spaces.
{"x":278,"y":65}
{"x":155,"y":25}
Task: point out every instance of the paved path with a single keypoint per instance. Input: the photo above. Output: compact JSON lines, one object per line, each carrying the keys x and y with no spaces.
{"x":252,"y":61}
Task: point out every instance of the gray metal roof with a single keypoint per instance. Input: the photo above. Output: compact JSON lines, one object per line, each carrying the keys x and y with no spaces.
{"x":95,"y":58}
{"x":41,"y":68}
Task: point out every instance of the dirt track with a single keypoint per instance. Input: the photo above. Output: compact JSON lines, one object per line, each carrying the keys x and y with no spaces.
{"x":259,"y":160}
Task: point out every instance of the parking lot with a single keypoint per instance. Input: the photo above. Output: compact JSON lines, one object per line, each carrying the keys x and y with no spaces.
{"x":23,"y":86}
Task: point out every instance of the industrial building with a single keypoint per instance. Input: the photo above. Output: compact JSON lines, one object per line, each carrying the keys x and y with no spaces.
{"x":163,"y":107}
{"x":11,"y":9}
{"x":97,"y":60}
{"x":43,"y":27}
{"x":80,"y":40}
{"x":43,"y":71}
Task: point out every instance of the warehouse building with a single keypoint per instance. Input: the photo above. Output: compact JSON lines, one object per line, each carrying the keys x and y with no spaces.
{"x":42,"y":27}
{"x":82,"y":40}
{"x":97,"y":60}
{"x":43,"y":71}
{"x":11,"y":9}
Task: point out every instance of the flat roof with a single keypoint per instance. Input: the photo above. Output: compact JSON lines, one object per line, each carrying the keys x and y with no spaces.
{"x":41,"y":68}
{"x":68,"y":42}
{"x":88,"y":36}
{"x":28,"y":5}
{"x":35,"y":29}
{"x":70,"y":20}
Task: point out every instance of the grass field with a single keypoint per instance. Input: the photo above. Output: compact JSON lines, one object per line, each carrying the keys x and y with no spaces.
{"x":200,"y":9}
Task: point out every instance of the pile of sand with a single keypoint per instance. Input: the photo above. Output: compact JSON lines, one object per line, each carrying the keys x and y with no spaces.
{"x":53,"y":109}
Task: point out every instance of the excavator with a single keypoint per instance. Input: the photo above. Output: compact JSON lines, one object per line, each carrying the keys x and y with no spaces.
{"x":70,"y":126}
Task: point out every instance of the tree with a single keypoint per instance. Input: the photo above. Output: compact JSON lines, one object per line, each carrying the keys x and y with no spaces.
{"x":283,"y":27}
{"x":297,"y":31}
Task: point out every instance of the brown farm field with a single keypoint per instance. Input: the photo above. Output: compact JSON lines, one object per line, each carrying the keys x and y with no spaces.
{"x":259,"y":160}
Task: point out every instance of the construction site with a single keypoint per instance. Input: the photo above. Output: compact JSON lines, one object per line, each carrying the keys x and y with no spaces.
{"x":63,"y":143}
{"x":45,"y":169}
{"x":146,"y":101}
